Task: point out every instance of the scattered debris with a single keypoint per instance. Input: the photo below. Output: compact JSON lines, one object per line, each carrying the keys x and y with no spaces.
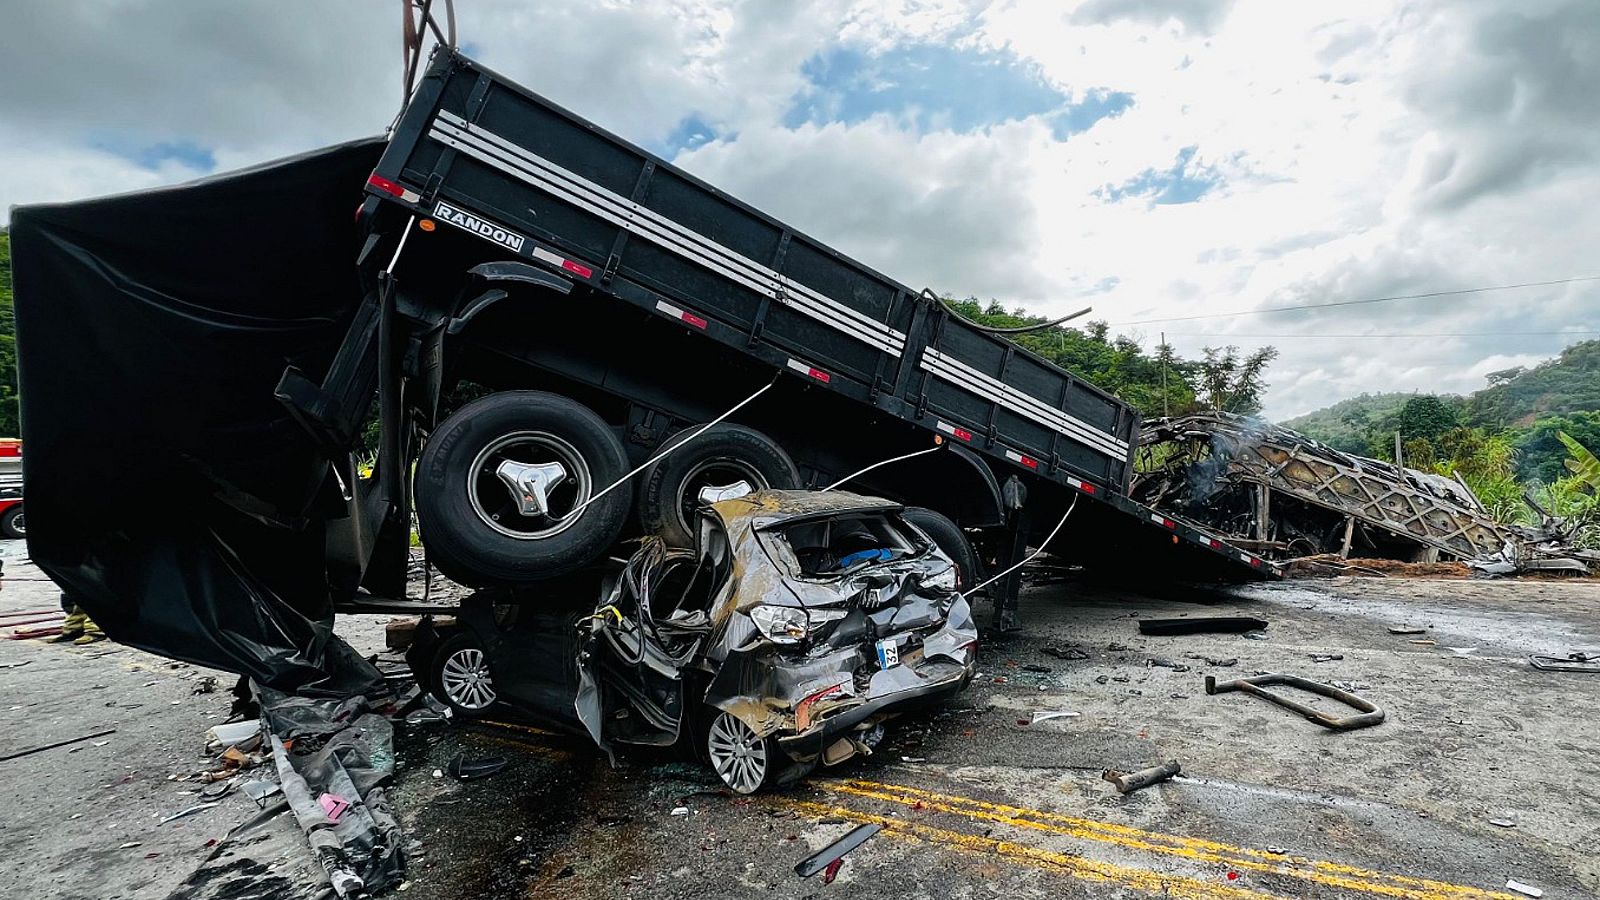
{"x":1115,"y":647}
{"x":1225,"y":471}
{"x":1576,"y":661}
{"x":198,"y":807}
{"x":1201,"y":625}
{"x":1326,"y":657}
{"x":1255,"y":635}
{"x":233,"y":734}
{"x":207,"y":684}
{"x":836,"y":851}
{"x":16,"y":665}
{"x":333,"y":806}
{"x":1133,"y":781}
{"x":1514,"y":885}
{"x":1371,"y":713}
{"x":1280,"y":851}
{"x":1165,"y":663}
{"x":1067,"y":653}
{"x":472,"y":769}
{"x":1101,"y":679}
{"x":1053,"y":714}
{"x":18,"y":754}
{"x":259,"y":790}
{"x":1407,"y":629}
{"x":1504,"y":823}
{"x":680,"y":811}
{"x":1351,"y":686}
{"x":1037,"y":670}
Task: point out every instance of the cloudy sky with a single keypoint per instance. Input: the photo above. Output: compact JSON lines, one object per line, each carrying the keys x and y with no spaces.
{"x":1158,"y":159}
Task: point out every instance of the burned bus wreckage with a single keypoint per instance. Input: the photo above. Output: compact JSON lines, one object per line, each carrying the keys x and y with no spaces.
{"x":1286,"y":496}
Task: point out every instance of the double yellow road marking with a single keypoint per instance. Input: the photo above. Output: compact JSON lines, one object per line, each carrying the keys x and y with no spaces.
{"x":1321,"y":872}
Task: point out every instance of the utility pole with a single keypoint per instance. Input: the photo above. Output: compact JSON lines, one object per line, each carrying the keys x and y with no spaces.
{"x":1398,"y":460}
{"x":1165,"y":411}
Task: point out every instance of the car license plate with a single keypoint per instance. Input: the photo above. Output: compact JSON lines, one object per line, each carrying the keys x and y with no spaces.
{"x":888,"y":654}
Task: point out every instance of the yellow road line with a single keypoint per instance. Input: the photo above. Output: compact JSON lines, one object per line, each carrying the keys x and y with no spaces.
{"x":1176,"y":887}
{"x":1331,"y":874}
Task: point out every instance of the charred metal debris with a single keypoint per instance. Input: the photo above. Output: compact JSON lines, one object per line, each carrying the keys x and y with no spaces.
{"x":1278,"y":493}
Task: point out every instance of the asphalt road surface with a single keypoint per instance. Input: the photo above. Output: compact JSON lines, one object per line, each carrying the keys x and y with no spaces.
{"x":976,"y":799}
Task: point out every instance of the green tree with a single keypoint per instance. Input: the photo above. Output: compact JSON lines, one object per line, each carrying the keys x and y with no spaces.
{"x":1231,"y":383}
{"x":1540,"y":452}
{"x":1426,"y":417}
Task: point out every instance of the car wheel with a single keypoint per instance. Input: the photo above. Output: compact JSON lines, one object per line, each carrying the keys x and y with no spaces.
{"x":947,"y":535}
{"x":11,"y":523}
{"x":719,"y":460}
{"x":745,"y":763}
{"x":461,"y":676}
{"x":499,"y":480}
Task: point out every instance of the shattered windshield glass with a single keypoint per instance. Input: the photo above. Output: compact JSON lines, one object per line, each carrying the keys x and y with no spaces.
{"x":829,"y":547}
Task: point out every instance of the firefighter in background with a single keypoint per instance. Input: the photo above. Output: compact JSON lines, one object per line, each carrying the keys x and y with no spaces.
{"x":78,"y":628}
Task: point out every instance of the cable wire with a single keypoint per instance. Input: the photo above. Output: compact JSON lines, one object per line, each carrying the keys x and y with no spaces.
{"x":1031,"y":557}
{"x":1021,"y":329}
{"x":663,"y":454}
{"x":882,"y":463}
{"x":1335,"y":303}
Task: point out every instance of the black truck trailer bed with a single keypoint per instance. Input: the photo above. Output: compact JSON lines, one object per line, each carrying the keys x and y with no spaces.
{"x":480,"y":155}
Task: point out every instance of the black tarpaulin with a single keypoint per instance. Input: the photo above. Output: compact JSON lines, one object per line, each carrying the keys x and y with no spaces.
{"x":167,"y":489}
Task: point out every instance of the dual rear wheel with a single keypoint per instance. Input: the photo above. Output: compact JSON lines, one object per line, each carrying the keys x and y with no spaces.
{"x":512,"y":487}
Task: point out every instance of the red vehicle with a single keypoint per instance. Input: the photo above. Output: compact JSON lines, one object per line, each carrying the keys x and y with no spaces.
{"x":11,"y":523}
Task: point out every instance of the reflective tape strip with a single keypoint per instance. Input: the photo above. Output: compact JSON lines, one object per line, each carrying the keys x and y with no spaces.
{"x":1084,"y":486}
{"x":1027,"y":461}
{"x":953,"y":430}
{"x":489,"y":148}
{"x":993,"y":389}
{"x":809,"y":370}
{"x":681,"y":315}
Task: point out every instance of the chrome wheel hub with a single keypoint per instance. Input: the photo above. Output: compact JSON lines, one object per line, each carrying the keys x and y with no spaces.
{"x":738,"y":755}
{"x":526,"y":485}
{"x":466,"y":680}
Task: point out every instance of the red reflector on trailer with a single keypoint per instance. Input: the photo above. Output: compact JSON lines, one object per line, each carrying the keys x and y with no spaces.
{"x":694,"y":320}
{"x":580,"y":270}
{"x":1088,"y":488}
{"x":1255,"y":562}
{"x":1169,"y":523}
{"x":1216,"y":544}
{"x":819,"y":375}
{"x":963,"y":434}
{"x":385,"y":185}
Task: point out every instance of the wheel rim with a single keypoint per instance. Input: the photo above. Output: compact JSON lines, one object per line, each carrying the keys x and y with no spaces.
{"x":466,"y":680}
{"x":716,"y":473}
{"x":19,"y":525}
{"x":496,"y":504}
{"x":738,"y":755}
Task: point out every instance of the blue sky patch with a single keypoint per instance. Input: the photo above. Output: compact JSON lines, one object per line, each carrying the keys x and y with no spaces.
{"x":186,"y":153}
{"x":939,"y":87}
{"x":691,"y":132}
{"x":1184,"y":182}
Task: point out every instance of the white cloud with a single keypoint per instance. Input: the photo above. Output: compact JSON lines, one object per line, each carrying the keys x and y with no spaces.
{"x":1364,"y":149}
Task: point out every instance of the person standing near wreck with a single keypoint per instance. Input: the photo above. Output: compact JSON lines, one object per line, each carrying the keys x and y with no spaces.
{"x":78,"y":627}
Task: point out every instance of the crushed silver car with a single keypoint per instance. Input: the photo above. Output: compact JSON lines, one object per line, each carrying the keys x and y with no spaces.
{"x":796,"y":627}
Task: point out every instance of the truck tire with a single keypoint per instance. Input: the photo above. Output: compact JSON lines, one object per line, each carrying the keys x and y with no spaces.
{"x":669,"y":490}
{"x":12,"y":525}
{"x":948,"y":537}
{"x":480,"y":532}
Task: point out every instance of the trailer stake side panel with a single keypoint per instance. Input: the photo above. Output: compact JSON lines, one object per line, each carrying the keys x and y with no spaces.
{"x":476,"y":152}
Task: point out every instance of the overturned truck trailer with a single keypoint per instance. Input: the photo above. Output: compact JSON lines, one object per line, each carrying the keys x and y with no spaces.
{"x":530,"y":309}
{"x":1285,"y":495}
